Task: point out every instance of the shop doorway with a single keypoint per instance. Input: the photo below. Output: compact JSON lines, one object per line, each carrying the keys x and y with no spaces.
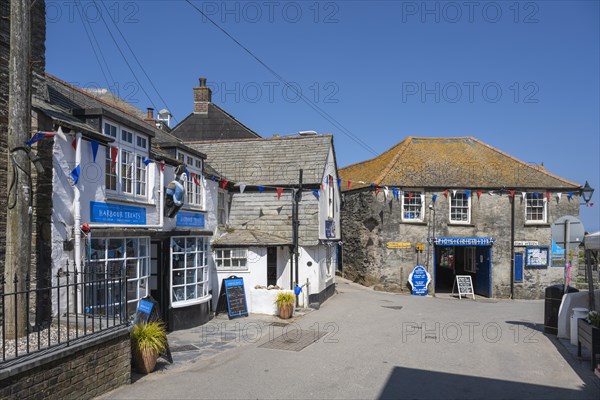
{"x":475,"y":261}
{"x":158,"y":284}
{"x":271,"y":266}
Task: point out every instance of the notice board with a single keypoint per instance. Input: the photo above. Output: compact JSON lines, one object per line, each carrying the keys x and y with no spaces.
{"x":464,"y":283}
{"x":236,"y":297}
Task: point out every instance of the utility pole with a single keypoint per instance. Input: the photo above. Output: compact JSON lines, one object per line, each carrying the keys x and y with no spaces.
{"x":19,"y":208}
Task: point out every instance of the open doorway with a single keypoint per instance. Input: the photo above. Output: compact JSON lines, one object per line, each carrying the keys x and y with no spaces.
{"x":271,"y":266}
{"x":463,"y":260}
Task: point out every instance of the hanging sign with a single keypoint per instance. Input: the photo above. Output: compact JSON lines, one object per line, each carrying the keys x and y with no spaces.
{"x":419,"y":279}
{"x":398,"y":245}
{"x":465,"y":286}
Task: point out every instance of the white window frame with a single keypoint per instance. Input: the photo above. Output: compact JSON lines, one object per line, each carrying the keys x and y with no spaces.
{"x":531,"y":202}
{"x":451,"y":206}
{"x":195,"y":276}
{"x":140,"y":281}
{"x":130,"y":177}
{"x":195,"y":195}
{"x":417,"y":193}
{"x":224,"y":256}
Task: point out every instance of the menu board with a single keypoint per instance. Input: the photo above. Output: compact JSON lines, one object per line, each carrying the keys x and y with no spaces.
{"x":465,"y":286}
{"x":236,"y":297}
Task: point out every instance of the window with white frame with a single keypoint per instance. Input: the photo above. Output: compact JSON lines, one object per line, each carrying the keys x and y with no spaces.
{"x":460,"y":208}
{"x":109,"y":259}
{"x":535,"y":208}
{"x":126,"y":172}
{"x":189,"y":270}
{"x":221,"y":207}
{"x":330,"y":198}
{"x":412,"y":206}
{"x":194,"y":185}
{"x":231,"y":259}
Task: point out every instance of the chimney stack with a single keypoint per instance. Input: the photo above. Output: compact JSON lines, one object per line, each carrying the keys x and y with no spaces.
{"x":150,"y":113}
{"x":202,"y":96}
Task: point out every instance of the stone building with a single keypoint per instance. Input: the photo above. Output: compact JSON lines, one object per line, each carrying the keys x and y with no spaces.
{"x":455,"y":196}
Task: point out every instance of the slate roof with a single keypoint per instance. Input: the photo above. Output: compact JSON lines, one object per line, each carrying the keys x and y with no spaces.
{"x":217,"y":124}
{"x":269,"y":162}
{"x":64,"y":98}
{"x":259,"y":219}
{"x":449,"y":163}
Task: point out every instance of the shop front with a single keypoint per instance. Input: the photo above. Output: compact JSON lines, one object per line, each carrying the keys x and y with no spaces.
{"x":471,"y":256}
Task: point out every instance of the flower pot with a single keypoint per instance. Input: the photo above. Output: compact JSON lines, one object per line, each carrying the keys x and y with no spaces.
{"x":145,"y":360}
{"x":286,"y":311}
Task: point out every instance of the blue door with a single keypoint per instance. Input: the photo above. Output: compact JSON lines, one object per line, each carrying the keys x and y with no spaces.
{"x":518,"y":267}
{"x":483,"y":277}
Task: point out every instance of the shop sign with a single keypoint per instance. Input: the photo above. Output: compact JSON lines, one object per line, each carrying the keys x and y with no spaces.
{"x":190,"y":219}
{"x":419,"y":278}
{"x":464,"y":241}
{"x":525,"y":243}
{"x":330,"y":229}
{"x":398,"y":245}
{"x":117,"y":214}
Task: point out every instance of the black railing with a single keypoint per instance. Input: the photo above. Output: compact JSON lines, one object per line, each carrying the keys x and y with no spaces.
{"x":83,"y":304}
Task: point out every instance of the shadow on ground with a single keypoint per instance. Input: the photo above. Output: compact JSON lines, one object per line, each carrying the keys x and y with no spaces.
{"x":409,"y":383}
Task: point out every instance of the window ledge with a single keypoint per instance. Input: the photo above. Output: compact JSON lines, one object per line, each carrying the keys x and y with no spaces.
{"x":128,"y":200}
{"x":415,"y":223}
{"x":239,"y":271}
{"x":187,"y":303}
{"x":537,"y":224}
{"x":192,"y":208}
{"x":469,"y":225}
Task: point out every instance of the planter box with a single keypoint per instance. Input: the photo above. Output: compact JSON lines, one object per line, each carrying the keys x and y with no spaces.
{"x":588,"y":336}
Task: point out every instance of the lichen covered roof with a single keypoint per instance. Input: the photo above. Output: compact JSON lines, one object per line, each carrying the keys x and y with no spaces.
{"x":449,"y":162}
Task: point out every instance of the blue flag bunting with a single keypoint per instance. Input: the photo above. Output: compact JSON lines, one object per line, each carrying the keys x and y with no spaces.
{"x":38,"y":136}
{"x":395,"y":193}
{"x":468,"y":193}
{"x":75,"y":174}
{"x":147,"y":161}
{"x":339,"y":183}
{"x":535,"y":194}
{"x":434,"y":198}
{"x":570,"y":195}
{"x":316,"y":193}
{"x":213,"y":178}
{"x":94,"y":149}
{"x":261,"y":188}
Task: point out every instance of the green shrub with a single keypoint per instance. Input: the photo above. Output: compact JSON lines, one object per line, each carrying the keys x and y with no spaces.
{"x":152,"y":335}
{"x":285,"y":298}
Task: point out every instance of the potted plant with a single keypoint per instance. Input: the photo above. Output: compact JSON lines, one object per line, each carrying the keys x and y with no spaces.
{"x":588,"y":335}
{"x":285,"y":304}
{"x":148,"y":340}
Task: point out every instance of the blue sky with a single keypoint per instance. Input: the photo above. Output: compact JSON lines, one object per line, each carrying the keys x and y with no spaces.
{"x":521,"y":76}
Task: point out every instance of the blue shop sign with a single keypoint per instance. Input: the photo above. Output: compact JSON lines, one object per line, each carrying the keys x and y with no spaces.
{"x":465,"y":241}
{"x":190,"y":219}
{"x":117,"y":213}
{"x":419,"y":279}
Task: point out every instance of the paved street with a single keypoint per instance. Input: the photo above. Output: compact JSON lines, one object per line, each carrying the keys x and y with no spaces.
{"x":379,"y":345}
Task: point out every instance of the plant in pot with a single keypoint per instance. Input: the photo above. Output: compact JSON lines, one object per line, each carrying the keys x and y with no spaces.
{"x":285,"y":304}
{"x":147,"y":342}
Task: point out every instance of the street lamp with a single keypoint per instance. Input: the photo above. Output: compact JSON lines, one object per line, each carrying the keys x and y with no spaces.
{"x":587,"y":192}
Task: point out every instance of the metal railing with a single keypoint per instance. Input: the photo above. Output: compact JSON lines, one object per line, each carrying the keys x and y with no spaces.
{"x":82,"y":304}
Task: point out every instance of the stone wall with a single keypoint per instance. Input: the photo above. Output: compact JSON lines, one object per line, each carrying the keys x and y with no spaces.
{"x":86,"y":370}
{"x":369,"y":222}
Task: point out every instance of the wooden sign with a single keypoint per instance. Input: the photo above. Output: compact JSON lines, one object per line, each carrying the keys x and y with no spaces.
{"x":398,"y":245}
{"x":465,"y":286}
{"x":236,"y":297}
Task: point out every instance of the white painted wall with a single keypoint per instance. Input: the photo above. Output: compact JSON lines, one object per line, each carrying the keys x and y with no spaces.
{"x":330,"y":169}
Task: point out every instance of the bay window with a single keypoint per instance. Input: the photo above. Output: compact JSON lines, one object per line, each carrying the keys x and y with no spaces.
{"x":126,"y":173}
{"x":189,"y":270}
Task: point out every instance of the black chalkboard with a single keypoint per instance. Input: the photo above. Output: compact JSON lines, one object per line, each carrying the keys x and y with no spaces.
{"x":236,"y":297}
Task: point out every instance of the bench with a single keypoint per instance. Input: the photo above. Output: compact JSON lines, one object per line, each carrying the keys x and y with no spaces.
{"x":589,"y":337}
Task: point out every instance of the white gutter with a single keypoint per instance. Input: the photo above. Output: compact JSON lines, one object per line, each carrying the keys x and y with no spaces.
{"x":161,"y":216}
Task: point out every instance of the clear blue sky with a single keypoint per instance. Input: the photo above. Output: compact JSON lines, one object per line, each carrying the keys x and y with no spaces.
{"x":523,"y":77}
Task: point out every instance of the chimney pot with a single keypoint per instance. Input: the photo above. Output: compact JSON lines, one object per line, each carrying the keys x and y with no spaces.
{"x":150,"y":113}
{"x":202,"y":82}
{"x":202,"y":97}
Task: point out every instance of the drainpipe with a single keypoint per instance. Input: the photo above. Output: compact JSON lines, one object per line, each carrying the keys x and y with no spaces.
{"x":512,"y":248}
{"x":77,"y":207}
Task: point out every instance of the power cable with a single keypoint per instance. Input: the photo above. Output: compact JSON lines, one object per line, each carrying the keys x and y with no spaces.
{"x":306,"y":100}
{"x":138,"y":61}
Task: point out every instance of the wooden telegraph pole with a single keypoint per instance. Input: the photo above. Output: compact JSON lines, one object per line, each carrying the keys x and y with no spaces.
{"x":19,"y":208}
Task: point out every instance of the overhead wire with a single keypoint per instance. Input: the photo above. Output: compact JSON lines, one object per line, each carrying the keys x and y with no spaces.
{"x":306,"y":100}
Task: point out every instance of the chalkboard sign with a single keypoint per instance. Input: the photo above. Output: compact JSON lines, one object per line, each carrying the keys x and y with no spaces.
{"x":465,"y":286}
{"x":144,"y":309}
{"x":236,"y":297}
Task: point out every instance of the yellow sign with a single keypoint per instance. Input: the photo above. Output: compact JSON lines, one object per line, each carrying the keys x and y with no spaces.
{"x":419,"y":247}
{"x":398,"y":245}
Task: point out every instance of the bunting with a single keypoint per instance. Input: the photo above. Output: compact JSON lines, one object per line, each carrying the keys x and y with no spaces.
{"x":94,"y":145}
{"x":410,"y":195}
{"x":74,"y":144}
{"x":242,"y":187}
{"x":162,"y":166}
{"x":38,"y":136}
{"x":479,"y":194}
{"x":453,"y":192}
{"x":147,"y":161}
{"x":75,"y":174}
{"x":224,"y":183}
{"x":547,"y":196}
{"x":114,"y":152}
{"x":316,"y":193}
{"x":339,"y":183}
{"x":467,"y":193}
{"x":512,"y":194}
{"x":570,"y":195}
{"x":386,"y":191}
{"x":446,"y":193}
{"x":279,"y":191}
{"x":213,"y":178}
{"x":195,"y":179}
{"x":524,"y":194}
{"x":535,"y":195}
{"x":395,"y":192}
{"x":558,"y":195}
{"x":434,"y":198}
{"x":349,"y":183}
{"x":376,"y":190}
{"x":261,"y":188}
